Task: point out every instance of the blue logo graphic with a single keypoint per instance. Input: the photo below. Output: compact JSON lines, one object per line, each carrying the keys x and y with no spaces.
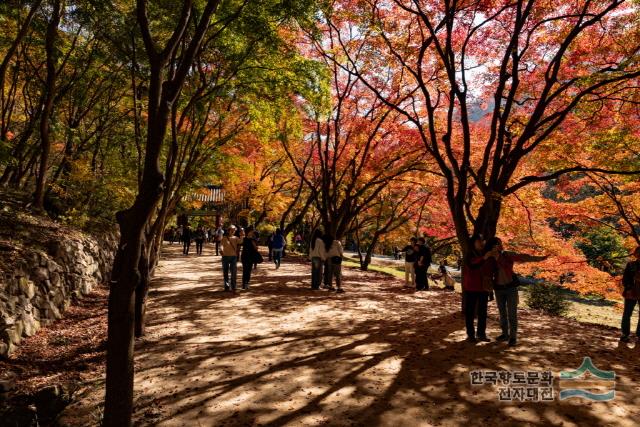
{"x":587,"y":377}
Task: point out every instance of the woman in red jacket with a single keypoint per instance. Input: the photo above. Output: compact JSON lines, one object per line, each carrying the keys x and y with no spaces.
{"x":473,"y":271}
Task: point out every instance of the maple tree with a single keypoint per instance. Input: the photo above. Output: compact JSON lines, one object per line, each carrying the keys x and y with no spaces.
{"x":349,"y":152}
{"x":437,"y":62}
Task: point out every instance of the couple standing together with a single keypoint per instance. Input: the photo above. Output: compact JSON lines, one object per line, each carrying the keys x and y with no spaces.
{"x":325,"y":253}
{"x":231,"y":251}
{"x":489,"y":268}
{"x":417,"y":259}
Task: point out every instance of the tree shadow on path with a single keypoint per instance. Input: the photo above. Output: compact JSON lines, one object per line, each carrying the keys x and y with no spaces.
{"x":379,"y":354}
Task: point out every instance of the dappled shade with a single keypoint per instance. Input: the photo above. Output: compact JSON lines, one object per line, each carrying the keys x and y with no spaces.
{"x":380,"y":354}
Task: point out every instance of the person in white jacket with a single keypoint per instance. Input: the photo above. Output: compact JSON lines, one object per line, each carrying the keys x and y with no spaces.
{"x":317,"y":255}
{"x":334,"y":256}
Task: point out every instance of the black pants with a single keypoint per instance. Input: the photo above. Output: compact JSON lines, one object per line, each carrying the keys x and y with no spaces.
{"x":326,"y":278}
{"x":421,"y":278}
{"x":629,"y":305}
{"x":472,"y":300}
{"x":199,"y":244}
{"x":247,"y":265}
{"x":217,"y":247}
{"x":185,"y":247}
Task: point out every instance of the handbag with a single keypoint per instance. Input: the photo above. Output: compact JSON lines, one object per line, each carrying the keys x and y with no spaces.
{"x":487,"y":283}
{"x":257,"y":258}
{"x":336,"y":260}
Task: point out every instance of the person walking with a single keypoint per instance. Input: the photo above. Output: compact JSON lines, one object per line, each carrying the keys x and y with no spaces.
{"x":199,"y":238}
{"x":186,"y":239}
{"x":218,"y":238}
{"x":410,"y":258}
{"x":335,"y":253}
{"x":505,"y":286}
{"x":178,"y":234}
{"x":317,"y":255}
{"x":278,"y":245}
{"x":230,"y":251}
{"x":270,"y":245}
{"x":248,"y":257}
{"x":631,"y":294}
{"x":475,"y":297}
{"x":421,"y":266}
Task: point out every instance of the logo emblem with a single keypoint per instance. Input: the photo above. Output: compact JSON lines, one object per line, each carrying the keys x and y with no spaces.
{"x":588,"y":382}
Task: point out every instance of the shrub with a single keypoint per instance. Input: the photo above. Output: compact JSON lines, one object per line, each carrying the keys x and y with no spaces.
{"x":548,"y":298}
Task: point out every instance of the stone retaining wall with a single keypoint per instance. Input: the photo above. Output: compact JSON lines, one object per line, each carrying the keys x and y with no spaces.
{"x":44,"y":283}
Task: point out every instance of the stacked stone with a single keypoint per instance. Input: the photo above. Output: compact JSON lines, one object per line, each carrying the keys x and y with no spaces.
{"x":43,"y":284}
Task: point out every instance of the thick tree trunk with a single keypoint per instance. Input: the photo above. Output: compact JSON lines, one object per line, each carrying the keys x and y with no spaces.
{"x":364,"y":264}
{"x":120,"y":336}
{"x":488,"y":217}
{"x":127,"y":276}
{"x":45,"y":142}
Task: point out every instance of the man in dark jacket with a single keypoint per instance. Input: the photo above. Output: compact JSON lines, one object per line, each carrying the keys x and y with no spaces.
{"x":186,"y":239}
{"x":631,"y":294}
{"x":422,"y":264}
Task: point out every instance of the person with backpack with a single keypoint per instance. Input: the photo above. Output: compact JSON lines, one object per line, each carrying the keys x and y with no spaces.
{"x":248,"y":257}
{"x":505,"y":286}
{"x":421,"y":266}
{"x":410,"y":258}
{"x":186,"y":239}
{"x":631,"y":294}
{"x":277,"y":246}
{"x":334,"y":255}
{"x":230,"y":252}
{"x":317,"y":255}
{"x":199,"y":238}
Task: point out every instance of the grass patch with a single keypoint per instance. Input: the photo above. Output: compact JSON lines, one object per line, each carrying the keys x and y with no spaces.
{"x":392,"y":271}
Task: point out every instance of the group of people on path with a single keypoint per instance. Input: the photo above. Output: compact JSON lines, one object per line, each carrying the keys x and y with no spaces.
{"x":487,"y":272}
{"x":325,"y":254}
{"x":186,"y":235}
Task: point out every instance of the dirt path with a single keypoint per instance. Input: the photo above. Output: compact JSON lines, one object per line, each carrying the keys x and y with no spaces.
{"x":379,"y":354}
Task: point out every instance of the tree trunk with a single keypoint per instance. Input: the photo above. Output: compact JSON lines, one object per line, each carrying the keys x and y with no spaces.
{"x":364,"y":264}
{"x":120,"y":335}
{"x":50,"y":86}
{"x":127,"y":276}
{"x":142,"y":291}
{"x":488,"y":216}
